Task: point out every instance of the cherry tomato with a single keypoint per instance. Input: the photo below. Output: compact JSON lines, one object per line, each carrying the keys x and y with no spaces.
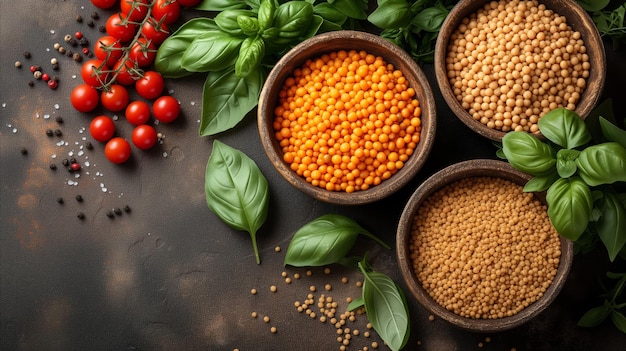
{"x":154,"y":31}
{"x":168,"y":9}
{"x":117,"y":29}
{"x":150,"y":86}
{"x":144,"y":137}
{"x":188,"y":3}
{"x":94,"y":72}
{"x":126,"y":74}
{"x":102,"y":128}
{"x":138,"y":7}
{"x":103,"y":4}
{"x":117,"y":150}
{"x":137,"y":112}
{"x":115,"y":99}
{"x":108,"y":49}
{"x":166,"y":109}
{"x":143,"y":52}
{"x":84,"y":98}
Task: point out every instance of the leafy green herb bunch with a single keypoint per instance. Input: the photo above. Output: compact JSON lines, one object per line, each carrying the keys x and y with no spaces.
{"x":584,"y":178}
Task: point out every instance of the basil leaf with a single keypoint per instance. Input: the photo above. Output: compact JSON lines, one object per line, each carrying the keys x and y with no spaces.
{"x":569,"y":206}
{"x":391,"y":14}
{"x":386,"y":308}
{"x":236,"y":190}
{"x":564,"y":128}
{"x":356,"y":9}
{"x":611,"y":225}
{"x":329,"y":13}
{"x":541,"y":182}
{"x":227,"y":21}
{"x":266,"y":14}
{"x":291,"y":19}
{"x":219,"y":5}
{"x":249,"y":25}
{"x":324,"y":240}
{"x":527,"y":153}
{"x":619,"y":320}
{"x":250,"y":55}
{"x":228,"y":99}
{"x":430,"y":19}
{"x":594,"y":316}
{"x":593,"y":5}
{"x":211,"y":51}
{"x":356,"y":303}
{"x":566,"y":162}
{"x":168,"y":60}
{"x":613,"y":132}
{"x":602,"y":164}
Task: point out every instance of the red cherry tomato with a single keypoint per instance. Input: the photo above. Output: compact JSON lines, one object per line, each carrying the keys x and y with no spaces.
{"x":150,"y":86}
{"x":103,"y":4}
{"x":155,"y":31}
{"x":126,"y":73}
{"x":122,"y":31}
{"x":95,"y":72}
{"x":144,"y":137}
{"x":108,"y":49}
{"x":137,"y":113}
{"x":84,"y":98}
{"x":139,"y":9}
{"x":117,"y":150}
{"x":115,"y":99}
{"x":168,"y":9}
{"x":143,"y":52}
{"x":102,"y":128}
{"x":165,"y":109}
{"x":188,"y":3}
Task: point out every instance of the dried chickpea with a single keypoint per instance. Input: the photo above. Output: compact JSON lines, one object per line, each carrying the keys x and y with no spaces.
{"x":482,"y":248}
{"x":347,"y":121}
{"x":511,"y":62}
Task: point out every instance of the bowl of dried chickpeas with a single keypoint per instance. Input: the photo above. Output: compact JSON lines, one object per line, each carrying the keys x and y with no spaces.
{"x":501,"y":65}
{"x":347,"y":117}
{"x":477,"y":251}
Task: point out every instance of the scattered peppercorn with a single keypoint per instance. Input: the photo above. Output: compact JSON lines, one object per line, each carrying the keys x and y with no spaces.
{"x":55,"y":67}
{"x":75,"y":166}
{"x":80,"y":215}
{"x":31,"y":83}
{"x":67,"y":38}
{"x":23,"y":151}
{"x":110,"y":214}
{"x":118,"y":211}
{"x":53,"y":167}
{"x":45,"y":77}
{"x":127,"y":209}
{"x":95,"y":15}
{"x":49,"y":132}
{"x":90,"y":24}
{"x":18,"y":64}
{"x":78,"y":35}
{"x":37,"y":74}
{"x":60,"y":200}
{"x":59,"y":119}
{"x":62,"y":50}
{"x":27,"y":54}
{"x":53,"y":84}
{"x":58,"y":132}
{"x":83,"y":41}
{"x":65,"y":162}
{"x":89,"y":145}
{"x":76,"y":57}
{"x":79,"y":19}
{"x":79,"y":198}
{"x":102,"y":29}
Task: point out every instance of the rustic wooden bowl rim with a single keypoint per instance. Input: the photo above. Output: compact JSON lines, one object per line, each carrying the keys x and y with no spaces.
{"x":465,"y":169}
{"x":346,"y":40}
{"x":577,"y":18}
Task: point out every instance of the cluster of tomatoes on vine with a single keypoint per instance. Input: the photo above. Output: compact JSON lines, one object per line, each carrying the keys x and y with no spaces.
{"x":122,"y":61}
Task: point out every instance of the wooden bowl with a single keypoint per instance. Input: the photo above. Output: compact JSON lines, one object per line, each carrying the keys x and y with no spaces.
{"x":347,"y":40}
{"x":466,"y":169}
{"x":576,"y":17}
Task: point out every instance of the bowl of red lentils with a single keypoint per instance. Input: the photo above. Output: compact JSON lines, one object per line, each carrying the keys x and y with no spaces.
{"x":347,"y":117}
{"x":479,"y":252}
{"x":501,"y":65}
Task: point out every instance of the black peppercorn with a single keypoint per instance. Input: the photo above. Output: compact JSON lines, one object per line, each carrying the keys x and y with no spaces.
{"x":53,"y":167}
{"x":95,"y":15}
{"x":102,"y":29}
{"x":31,"y":83}
{"x":65,"y":162}
{"x":49,"y":132}
{"x":69,"y":53}
{"x":79,"y":19}
{"x":110,"y":214}
{"x":24,"y":151}
{"x":55,"y":66}
{"x":58,"y":132}
{"x":73,"y":42}
{"x":59,"y":119}
{"x":83,"y":41}
{"x":27,"y":54}
{"x":73,"y":160}
{"x":127,"y":209}
{"x":89,"y":145}
{"x":90,"y":24}
{"x":118,"y":211}
{"x":80,"y":215}
{"x":60,"y":200}
{"x":79,"y":198}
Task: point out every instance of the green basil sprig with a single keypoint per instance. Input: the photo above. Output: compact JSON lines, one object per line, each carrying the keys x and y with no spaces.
{"x":569,"y":206}
{"x":325,"y":240}
{"x":610,"y":306}
{"x":236,"y":190}
{"x":386,"y":307}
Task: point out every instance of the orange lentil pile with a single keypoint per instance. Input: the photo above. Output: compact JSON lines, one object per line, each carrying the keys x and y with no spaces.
{"x":482,"y":248}
{"x":512,"y":61}
{"x":346,"y":121}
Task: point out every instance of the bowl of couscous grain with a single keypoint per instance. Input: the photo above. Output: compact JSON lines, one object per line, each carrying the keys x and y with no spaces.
{"x":501,"y":65}
{"x":477,"y":251}
{"x":347,"y":117}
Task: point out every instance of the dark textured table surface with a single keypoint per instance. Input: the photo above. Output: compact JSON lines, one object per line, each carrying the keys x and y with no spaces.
{"x":168,"y":275}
